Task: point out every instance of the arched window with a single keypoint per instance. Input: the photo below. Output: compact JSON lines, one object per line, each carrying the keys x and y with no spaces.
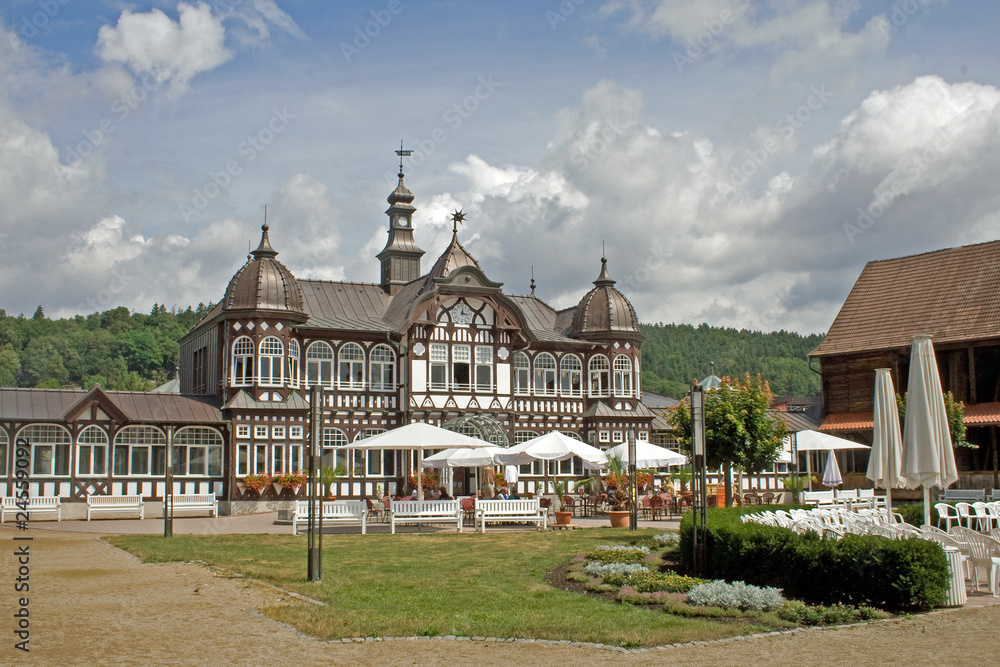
{"x":272,"y":358}
{"x":383,"y":370}
{"x":197,"y":451}
{"x":50,"y":445}
{"x":294,"y":354}
{"x":140,"y":450}
{"x":522,"y":373}
{"x":570,"y":375}
{"x":545,"y":375}
{"x":623,"y":376}
{"x":243,"y":362}
{"x":4,"y":448}
{"x":536,"y":467}
{"x":333,"y":440}
{"x":598,"y":372}
{"x":375,"y":461}
{"x":92,"y":451}
{"x":351,"y":371}
{"x":319,"y":364}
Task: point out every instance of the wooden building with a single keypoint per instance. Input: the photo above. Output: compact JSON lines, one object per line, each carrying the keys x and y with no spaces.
{"x":447,"y":346}
{"x":952,"y":295}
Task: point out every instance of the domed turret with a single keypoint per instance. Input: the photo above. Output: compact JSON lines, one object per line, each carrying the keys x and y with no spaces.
{"x":604,"y":311}
{"x":264,"y":283}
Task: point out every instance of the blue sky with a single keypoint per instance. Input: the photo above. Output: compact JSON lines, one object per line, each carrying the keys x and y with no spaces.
{"x":739,"y":161}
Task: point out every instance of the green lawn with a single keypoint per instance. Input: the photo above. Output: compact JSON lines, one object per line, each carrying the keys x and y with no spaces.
{"x":437,"y":584}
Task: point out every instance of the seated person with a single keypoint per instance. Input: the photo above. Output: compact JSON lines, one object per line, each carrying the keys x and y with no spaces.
{"x":413,"y":494}
{"x":444,"y":494}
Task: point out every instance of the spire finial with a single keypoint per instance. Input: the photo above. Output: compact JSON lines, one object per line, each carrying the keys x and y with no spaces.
{"x":402,"y":153}
{"x":457,"y":217}
{"x":532,"y":280}
{"x":264,"y":227}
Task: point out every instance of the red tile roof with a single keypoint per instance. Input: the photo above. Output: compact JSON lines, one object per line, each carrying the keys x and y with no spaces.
{"x":980,"y":414}
{"x":952,"y":295}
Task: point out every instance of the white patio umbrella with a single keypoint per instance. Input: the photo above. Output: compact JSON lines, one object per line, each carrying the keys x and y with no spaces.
{"x":813,"y":441}
{"x":647,"y":455}
{"x":885,"y":465}
{"x":928,"y":457}
{"x":461,"y":457}
{"x":831,"y":474}
{"x":418,"y":436}
{"x":553,"y":446}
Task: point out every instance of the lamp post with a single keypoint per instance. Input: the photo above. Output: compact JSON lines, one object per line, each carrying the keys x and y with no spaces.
{"x":699,"y":486}
{"x":315,"y":530}
{"x":633,"y":484}
{"x":168,"y":486}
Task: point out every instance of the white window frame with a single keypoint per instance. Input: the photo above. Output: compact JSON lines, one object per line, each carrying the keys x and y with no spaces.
{"x":294,"y":432}
{"x":243,"y":356}
{"x":522,"y":374}
{"x":278,"y":432}
{"x":198,"y":452}
{"x":437,"y":362}
{"x":382,"y":373}
{"x":461,"y":357}
{"x":92,"y":452}
{"x":319,"y":364}
{"x":570,"y":369}
{"x":135,"y":443}
{"x":603,"y":436}
{"x":483,"y":372}
{"x":294,"y":358}
{"x":260,"y":433}
{"x":50,"y":449}
{"x":333,"y":449}
{"x":622,"y":383}
{"x":271,"y":362}
{"x":351,"y":367}
{"x":599,"y":376}
{"x":544,"y":377}
{"x":242,"y":430}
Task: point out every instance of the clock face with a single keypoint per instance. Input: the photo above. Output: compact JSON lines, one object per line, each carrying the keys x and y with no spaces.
{"x":462,"y":314}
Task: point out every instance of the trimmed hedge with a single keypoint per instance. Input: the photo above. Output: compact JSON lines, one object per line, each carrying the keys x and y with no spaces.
{"x":857,"y":570}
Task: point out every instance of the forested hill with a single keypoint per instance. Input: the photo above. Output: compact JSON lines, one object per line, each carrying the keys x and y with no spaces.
{"x":137,"y":351}
{"x":119,"y":349}
{"x":675,"y":354}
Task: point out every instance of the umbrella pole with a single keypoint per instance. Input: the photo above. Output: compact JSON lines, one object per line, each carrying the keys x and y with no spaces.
{"x":888,"y":504}
{"x":809,"y":470}
{"x":419,"y":475}
{"x":927,"y":506}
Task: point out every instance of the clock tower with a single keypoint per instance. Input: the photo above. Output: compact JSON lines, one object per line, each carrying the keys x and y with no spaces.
{"x":401,"y":256}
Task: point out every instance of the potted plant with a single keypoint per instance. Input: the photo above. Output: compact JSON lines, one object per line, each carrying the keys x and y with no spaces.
{"x":256,"y":482}
{"x":563,"y":517}
{"x":796,"y":484}
{"x":328,"y":476}
{"x":617,"y":479}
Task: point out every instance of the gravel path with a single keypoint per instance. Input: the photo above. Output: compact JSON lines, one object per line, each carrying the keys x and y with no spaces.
{"x":93,"y":604}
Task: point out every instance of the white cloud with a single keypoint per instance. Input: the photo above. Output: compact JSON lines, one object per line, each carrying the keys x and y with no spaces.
{"x":258,"y":15}
{"x":172,"y":52}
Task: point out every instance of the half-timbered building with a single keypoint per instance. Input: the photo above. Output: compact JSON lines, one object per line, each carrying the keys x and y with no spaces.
{"x":447,"y":346}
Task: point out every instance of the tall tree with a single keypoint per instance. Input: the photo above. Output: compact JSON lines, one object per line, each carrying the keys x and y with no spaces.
{"x":739,"y":430}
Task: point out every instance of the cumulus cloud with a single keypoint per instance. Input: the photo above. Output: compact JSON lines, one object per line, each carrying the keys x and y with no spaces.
{"x":172,"y":52}
{"x":780,"y":256}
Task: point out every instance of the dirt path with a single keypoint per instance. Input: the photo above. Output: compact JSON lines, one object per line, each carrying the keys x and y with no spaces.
{"x":91,"y":604}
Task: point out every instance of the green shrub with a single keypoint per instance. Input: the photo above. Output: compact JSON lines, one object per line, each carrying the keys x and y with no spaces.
{"x":736,"y":595}
{"x":913,"y":513}
{"x":837,"y":614}
{"x":889,"y":574}
{"x":618,"y":554}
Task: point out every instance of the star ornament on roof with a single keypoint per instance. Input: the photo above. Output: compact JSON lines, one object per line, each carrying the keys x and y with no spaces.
{"x":456,"y":218}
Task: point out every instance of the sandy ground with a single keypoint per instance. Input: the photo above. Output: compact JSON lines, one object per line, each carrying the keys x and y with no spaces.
{"x":92,"y":604}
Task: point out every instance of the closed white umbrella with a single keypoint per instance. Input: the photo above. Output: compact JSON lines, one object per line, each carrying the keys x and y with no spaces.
{"x":928,"y":457}
{"x":885,"y":465}
{"x":831,"y":474}
{"x":808,"y":440}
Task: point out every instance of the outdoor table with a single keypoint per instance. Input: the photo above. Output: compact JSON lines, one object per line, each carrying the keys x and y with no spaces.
{"x":956,"y":595}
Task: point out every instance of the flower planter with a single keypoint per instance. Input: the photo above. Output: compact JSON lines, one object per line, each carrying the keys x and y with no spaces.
{"x":564,"y":518}
{"x":277,"y":488}
{"x":619,"y":518}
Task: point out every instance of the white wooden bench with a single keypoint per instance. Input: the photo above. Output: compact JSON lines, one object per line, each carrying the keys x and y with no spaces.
{"x":335,"y":513}
{"x":817,"y":498}
{"x":424,"y":511}
{"x":33,"y":507}
{"x":510,"y":511}
{"x":114,"y":504}
{"x":195,"y":502}
{"x":951,"y":495}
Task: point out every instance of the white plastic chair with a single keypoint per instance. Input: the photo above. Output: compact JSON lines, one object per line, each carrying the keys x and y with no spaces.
{"x":947,"y":513}
{"x":965,"y":514}
{"x":984,"y":553}
{"x":985,"y":518}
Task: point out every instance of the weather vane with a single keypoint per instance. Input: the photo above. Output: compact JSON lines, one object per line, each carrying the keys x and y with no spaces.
{"x":456,"y":218}
{"x":402,"y":153}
